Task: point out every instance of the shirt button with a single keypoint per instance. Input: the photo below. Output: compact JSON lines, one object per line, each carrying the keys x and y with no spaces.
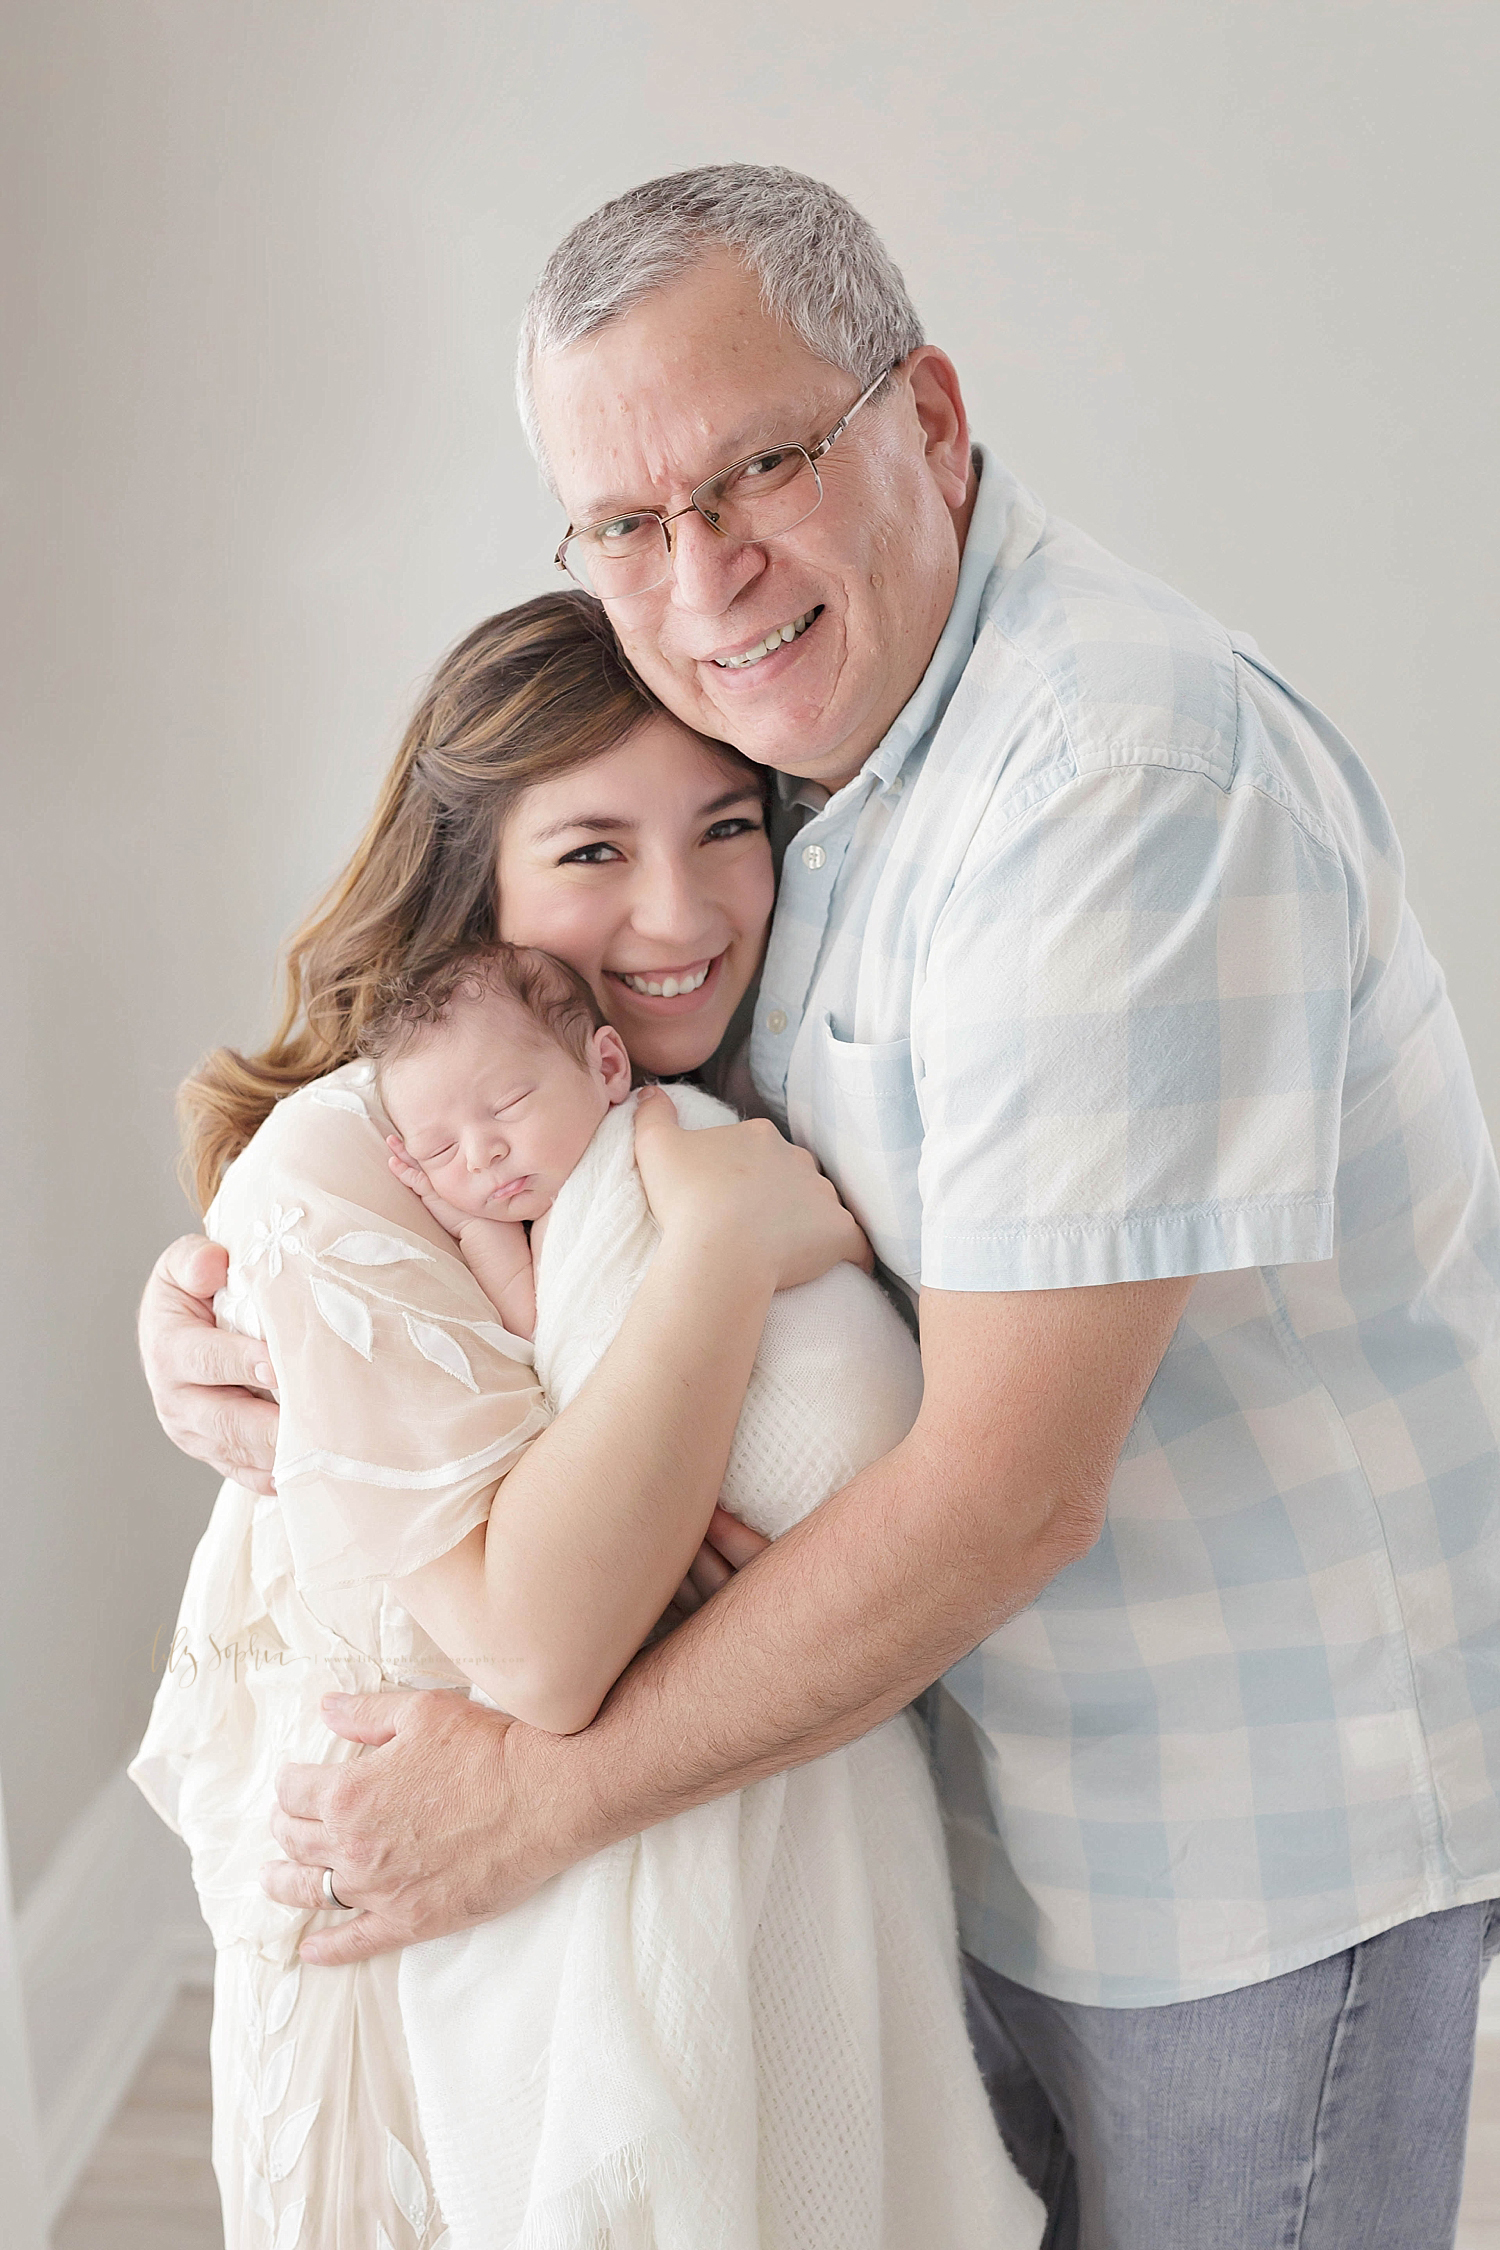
{"x":776,"y":1021}
{"x":813,"y":856}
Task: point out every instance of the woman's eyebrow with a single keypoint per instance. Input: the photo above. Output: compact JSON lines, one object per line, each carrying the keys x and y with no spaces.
{"x":598,"y":824}
{"x":601,"y":824}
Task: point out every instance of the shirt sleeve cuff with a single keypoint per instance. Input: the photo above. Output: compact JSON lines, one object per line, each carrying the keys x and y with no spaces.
{"x":1146,"y":1246}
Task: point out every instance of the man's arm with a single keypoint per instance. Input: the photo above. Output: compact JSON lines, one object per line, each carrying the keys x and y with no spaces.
{"x":451,"y":1816}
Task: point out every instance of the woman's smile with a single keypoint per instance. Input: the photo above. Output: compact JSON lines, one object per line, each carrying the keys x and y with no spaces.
{"x":648,"y":870}
{"x":686,"y":984}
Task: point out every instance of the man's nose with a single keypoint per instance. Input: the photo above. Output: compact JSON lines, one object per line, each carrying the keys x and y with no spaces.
{"x":708,"y":570}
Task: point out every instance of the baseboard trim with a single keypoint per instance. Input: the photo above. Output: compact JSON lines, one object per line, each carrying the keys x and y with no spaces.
{"x":106,"y":1939}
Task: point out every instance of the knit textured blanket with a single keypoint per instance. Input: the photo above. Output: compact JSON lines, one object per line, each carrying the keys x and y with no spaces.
{"x":741,"y":2030}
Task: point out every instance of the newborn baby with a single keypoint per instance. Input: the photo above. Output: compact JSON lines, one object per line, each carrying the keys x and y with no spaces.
{"x":496,"y":1068}
{"x":751,"y":2011}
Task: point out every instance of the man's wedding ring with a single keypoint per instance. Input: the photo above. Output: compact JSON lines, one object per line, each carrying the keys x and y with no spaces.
{"x":329,"y":1893}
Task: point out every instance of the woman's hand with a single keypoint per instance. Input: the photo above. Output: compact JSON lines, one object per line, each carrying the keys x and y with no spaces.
{"x":764,"y":1197}
{"x":727,"y":1546}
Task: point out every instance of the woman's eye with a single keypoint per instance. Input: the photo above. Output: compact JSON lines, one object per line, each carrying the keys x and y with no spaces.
{"x":589,"y":855}
{"x":738,"y":826}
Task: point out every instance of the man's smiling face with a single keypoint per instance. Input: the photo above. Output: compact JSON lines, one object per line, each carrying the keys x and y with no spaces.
{"x":698,"y":375}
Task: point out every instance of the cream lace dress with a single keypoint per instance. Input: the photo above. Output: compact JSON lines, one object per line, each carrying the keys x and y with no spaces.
{"x":403,"y":1403}
{"x":742,"y":2029}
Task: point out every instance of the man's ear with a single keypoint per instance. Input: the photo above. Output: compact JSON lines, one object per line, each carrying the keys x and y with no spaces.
{"x":611,"y":1061}
{"x":944,"y":418}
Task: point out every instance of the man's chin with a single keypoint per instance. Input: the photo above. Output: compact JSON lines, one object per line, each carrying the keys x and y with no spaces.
{"x":783,"y":733}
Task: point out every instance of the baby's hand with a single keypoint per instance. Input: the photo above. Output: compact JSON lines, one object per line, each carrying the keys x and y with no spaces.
{"x":410,"y":1173}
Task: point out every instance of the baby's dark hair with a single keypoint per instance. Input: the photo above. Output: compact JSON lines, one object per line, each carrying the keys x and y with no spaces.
{"x":559,"y":1001}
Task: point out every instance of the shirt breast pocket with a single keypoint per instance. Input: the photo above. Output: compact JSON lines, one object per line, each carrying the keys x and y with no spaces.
{"x":866,"y":1128}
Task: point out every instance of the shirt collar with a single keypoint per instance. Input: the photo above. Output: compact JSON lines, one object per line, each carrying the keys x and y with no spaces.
{"x":994,"y":506}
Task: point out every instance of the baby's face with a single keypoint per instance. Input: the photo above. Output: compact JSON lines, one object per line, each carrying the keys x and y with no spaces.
{"x":497,"y":1113}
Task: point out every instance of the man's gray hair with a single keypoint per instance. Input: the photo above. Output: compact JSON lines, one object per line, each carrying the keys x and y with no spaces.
{"x":821,"y":268}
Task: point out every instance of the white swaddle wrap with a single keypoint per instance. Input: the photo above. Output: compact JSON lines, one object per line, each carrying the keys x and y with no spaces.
{"x":741,"y":2030}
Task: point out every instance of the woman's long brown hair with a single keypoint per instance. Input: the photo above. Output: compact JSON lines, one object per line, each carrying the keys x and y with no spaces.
{"x":527,"y":695}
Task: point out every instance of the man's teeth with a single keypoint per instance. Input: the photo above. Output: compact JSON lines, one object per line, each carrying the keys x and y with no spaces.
{"x":666,"y":988}
{"x":773,"y":639}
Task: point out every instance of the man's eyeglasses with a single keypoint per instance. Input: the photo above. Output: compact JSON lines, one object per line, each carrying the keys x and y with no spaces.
{"x":757,"y":498}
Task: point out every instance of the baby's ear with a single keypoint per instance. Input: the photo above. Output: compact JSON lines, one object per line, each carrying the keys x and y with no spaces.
{"x":612,"y":1061}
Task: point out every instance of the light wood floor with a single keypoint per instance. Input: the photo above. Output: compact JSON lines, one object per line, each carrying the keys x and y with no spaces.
{"x":149,"y":2185}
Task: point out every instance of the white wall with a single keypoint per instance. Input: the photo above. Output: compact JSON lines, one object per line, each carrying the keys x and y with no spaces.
{"x":1220,"y":278}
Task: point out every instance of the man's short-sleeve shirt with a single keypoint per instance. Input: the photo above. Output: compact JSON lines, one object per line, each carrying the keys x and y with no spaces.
{"x":1102,"y":970}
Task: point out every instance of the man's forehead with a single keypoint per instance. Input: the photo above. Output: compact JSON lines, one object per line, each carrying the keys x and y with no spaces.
{"x":660,"y":398}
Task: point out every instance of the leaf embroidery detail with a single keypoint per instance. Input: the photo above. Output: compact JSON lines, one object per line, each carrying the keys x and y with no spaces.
{"x":382,"y":2239}
{"x":346,"y":1315}
{"x":370,"y":1249}
{"x":254,"y":2021}
{"x":289,"y":2228}
{"x":438,"y":1346}
{"x":282,"y":2001}
{"x":444,"y":2240}
{"x":501,"y":1340}
{"x":277,"y":2077}
{"x":407,"y":2184}
{"x":288,"y":2144}
{"x":260,"y":2198}
{"x":339,"y":1097}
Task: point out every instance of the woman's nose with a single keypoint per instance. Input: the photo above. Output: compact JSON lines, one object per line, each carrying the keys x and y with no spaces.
{"x":669,"y":906}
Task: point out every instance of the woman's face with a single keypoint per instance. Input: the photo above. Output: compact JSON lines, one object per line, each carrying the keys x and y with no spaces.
{"x":647,"y":868}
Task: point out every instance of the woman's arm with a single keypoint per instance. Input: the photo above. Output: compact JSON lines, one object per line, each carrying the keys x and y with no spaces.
{"x":593,"y":1530}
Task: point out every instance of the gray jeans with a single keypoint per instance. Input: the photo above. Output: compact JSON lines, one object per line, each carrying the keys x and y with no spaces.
{"x":1322,"y":2110}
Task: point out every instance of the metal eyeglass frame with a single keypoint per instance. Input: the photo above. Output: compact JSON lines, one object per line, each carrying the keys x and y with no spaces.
{"x":812,"y":455}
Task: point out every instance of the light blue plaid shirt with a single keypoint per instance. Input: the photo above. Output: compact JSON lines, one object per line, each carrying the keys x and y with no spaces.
{"x":1102,"y":969}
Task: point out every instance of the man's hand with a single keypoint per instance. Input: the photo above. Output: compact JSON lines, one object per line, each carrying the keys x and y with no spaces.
{"x":454,"y":1815}
{"x":418,"y":1831}
{"x":203,"y":1377}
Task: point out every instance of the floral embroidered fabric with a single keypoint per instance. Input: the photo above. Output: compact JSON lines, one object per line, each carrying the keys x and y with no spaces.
{"x":403,"y":1403}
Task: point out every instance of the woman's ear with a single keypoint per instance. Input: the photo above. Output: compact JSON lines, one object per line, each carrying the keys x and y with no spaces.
{"x":611,"y":1062}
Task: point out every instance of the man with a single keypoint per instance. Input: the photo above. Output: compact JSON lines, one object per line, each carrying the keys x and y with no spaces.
{"x":1093,"y":987}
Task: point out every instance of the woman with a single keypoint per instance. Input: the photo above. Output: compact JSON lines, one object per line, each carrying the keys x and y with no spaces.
{"x":539,"y":797}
